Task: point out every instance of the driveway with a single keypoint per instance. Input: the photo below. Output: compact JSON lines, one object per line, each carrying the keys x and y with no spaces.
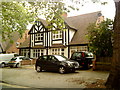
{"x":28,"y":77}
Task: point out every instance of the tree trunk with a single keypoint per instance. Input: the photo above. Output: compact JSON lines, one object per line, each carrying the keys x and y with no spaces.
{"x":113,"y":81}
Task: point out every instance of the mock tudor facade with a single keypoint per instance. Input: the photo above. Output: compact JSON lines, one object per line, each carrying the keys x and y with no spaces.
{"x":63,"y":42}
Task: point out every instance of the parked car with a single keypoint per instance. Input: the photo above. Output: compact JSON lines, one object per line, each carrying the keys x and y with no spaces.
{"x":16,"y":61}
{"x":5,"y":58}
{"x":84,"y":58}
{"x":55,"y":63}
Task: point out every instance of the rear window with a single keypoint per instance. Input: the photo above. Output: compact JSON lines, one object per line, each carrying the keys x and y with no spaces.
{"x":82,"y":54}
{"x":77,"y":54}
{"x":88,"y":54}
{"x":13,"y":59}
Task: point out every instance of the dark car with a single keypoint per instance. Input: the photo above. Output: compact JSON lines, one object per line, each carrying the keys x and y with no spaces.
{"x":55,"y":63}
{"x":84,"y":58}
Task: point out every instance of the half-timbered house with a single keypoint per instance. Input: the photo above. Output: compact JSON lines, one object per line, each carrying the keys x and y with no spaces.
{"x":72,"y":38}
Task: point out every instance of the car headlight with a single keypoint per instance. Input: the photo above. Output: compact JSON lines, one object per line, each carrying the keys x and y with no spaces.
{"x":70,"y":64}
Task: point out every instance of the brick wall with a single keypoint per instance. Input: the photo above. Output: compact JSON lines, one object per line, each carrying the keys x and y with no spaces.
{"x":13,"y":48}
{"x":28,"y":62}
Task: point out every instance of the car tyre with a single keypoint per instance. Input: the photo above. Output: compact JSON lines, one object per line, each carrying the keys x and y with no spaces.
{"x":2,"y":65}
{"x":38,"y":69}
{"x":11,"y":66}
{"x":17,"y":65}
{"x":73,"y":70}
{"x":62,"y":70}
{"x":87,"y":66}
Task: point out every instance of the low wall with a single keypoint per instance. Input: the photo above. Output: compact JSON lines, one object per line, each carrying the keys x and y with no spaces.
{"x":28,"y":62}
{"x":102,"y":63}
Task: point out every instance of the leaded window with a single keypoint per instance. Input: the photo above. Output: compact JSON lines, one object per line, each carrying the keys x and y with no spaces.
{"x":57,"y":35}
{"x":39,"y":37}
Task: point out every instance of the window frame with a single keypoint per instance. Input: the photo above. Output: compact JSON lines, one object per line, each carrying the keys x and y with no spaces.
{"x":39,"y":36}
{"x":57,"y":35}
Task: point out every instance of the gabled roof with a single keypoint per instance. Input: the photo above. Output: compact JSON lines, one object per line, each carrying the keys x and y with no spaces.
{"x":45,"y":24}
{"x":26,"y":43}
{"x":6,"y":44}
{"x":81,"y":22}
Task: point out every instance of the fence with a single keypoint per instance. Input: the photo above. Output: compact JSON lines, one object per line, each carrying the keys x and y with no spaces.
{"x":102,"y":63}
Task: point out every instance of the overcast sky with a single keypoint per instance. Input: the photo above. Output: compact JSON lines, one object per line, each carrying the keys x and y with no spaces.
{"x":108,"y":10}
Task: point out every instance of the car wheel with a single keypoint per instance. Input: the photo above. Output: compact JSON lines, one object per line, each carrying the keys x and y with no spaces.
{"x":87,"y":66}
{"x":11,"y":66}
{"x":73,"y":70}
{"x":61,"y":70}
{"x":2,"y":65}
{"x":38,"y":69}
{"x":17,"y":65}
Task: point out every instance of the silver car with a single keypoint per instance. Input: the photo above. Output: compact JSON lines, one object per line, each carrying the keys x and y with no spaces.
{"x":16,"y":61}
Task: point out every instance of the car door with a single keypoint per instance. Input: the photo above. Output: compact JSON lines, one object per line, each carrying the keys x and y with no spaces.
{"x":42,"y":62}
{"x":52,"y":63}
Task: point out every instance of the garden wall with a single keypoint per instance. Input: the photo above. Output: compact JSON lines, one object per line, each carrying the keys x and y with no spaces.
{"x":28,"y":62}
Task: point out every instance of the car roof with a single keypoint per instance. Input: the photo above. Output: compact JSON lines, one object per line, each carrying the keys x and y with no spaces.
{"x":82,"y":51}
{"x":50,"y":55}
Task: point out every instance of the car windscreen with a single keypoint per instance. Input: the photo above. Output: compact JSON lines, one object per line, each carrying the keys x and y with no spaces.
{"x":13,"y":59}
{"x":61,"y":58}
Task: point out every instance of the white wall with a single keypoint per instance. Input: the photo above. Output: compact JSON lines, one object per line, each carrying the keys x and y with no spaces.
{"x":71,"y":32}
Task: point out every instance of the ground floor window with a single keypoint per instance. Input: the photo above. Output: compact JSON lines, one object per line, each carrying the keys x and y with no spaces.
{"x":58,"y":51}
{"x":78,"y":48}
{"x":38,"y":52}
{"x":24,"y":52}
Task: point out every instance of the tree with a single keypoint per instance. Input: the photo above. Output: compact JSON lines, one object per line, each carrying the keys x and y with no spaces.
{"x":113,"y":82}
{"x":15,"y":17}
{"x":100,"y":38}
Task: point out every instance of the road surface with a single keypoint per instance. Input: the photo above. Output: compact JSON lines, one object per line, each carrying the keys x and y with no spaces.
{"x":28,"y":77}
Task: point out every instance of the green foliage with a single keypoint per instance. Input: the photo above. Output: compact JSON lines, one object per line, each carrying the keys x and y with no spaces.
{"x":52,"y":12}
{"x":15,"y":17}
{"x":100,"y":38}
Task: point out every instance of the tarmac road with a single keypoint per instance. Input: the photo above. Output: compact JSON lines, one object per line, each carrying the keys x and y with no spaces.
{"x":28,"y":77}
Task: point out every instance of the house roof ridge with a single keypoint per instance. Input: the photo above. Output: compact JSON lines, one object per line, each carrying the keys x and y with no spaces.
{"x":84,"y":14}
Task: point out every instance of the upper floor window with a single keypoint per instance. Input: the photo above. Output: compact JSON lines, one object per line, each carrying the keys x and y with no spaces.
{"x":57,"y":35}
{"x":39,"y":37}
